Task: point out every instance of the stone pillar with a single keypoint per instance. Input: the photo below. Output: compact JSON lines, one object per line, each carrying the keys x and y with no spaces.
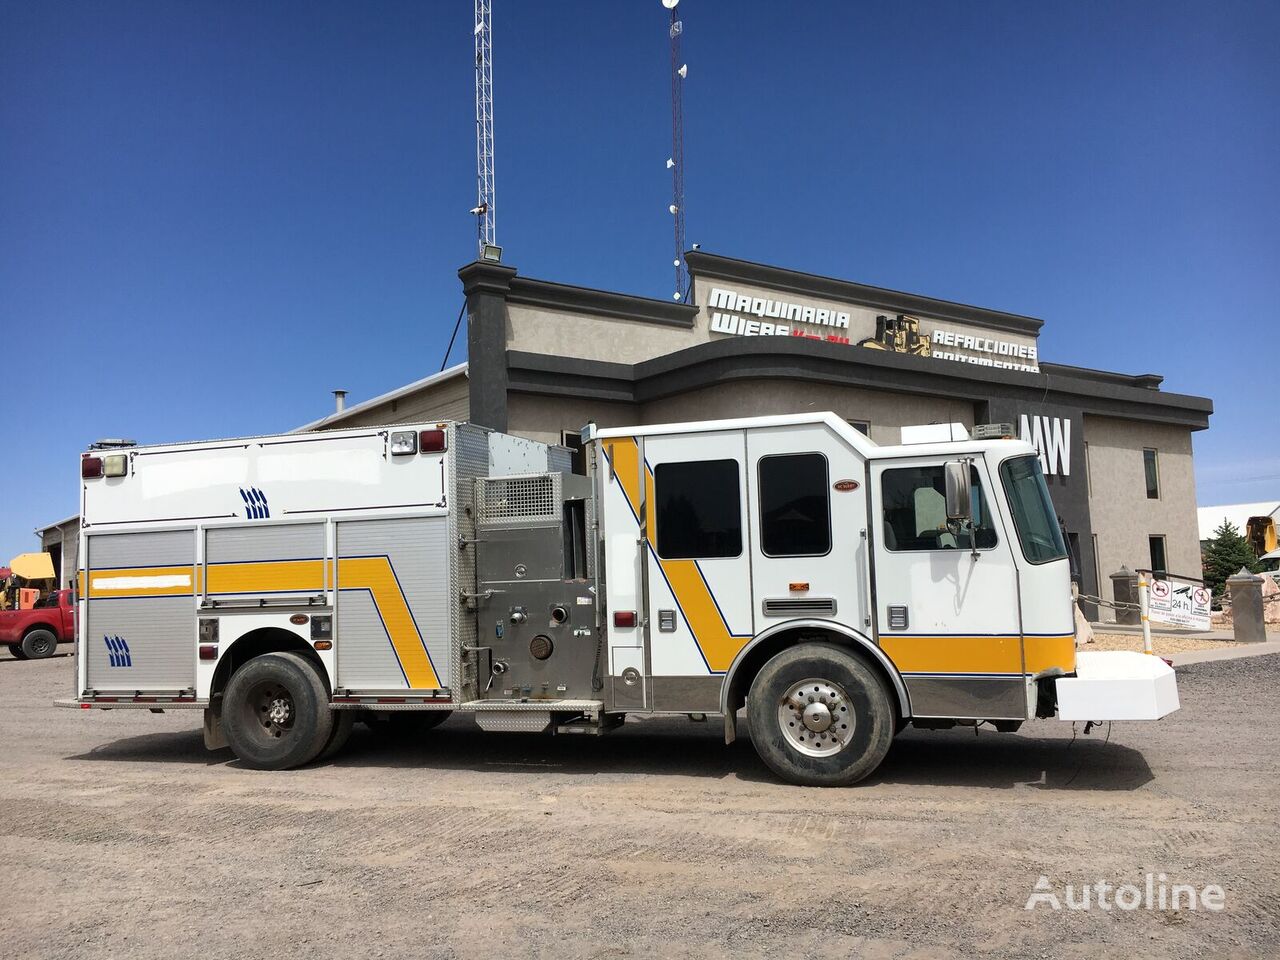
{"x":486,"y":286}
{"x":1124,"y":589}
{"x":1245,"y":590}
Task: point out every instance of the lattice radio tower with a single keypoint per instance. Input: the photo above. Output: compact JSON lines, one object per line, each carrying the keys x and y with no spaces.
{"x":484,"y":210}
{"x":679,"y":70}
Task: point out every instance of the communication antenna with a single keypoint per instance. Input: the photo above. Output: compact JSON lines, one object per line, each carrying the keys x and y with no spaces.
{"x":675,"y":162}
{"x":484,"y":209}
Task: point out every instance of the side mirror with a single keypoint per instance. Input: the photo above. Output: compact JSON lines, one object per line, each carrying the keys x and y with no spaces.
{"x":959,"y":504}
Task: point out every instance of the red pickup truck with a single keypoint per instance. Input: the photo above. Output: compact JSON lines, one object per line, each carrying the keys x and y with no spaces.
{"x":35,"y":634}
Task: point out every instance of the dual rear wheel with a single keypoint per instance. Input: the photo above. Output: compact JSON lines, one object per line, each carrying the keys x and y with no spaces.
{"x":275,"y":715}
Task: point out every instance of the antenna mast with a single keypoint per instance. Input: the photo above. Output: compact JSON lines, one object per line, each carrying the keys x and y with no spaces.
{"x":484,"y":208}
{"x":679,"y":70}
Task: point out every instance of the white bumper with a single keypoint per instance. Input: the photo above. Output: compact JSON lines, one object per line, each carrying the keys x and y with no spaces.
{"x":1118,"y":685}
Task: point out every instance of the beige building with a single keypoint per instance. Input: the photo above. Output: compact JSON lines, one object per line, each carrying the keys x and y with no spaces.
{"x":545,"y":358}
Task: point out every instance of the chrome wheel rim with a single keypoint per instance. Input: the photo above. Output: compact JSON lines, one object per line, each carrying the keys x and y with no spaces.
{"x":815,"y":717}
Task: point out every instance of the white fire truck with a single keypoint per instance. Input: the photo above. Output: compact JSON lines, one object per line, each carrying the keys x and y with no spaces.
{"x":839,"y":590}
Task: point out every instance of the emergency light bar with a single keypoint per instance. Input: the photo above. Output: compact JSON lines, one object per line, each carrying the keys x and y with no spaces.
{"x":994,"y":431}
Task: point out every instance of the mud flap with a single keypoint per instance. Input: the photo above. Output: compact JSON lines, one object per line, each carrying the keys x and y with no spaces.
{"x":214,"y":738}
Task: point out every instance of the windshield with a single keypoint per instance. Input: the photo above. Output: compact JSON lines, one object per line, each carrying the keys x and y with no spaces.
{"x":1032,"y":510}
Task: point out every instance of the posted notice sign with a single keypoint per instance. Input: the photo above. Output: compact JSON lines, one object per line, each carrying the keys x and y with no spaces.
{"x":1182,"y":603}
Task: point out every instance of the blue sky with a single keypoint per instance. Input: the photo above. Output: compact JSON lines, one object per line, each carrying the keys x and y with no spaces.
{"x":211,"y":214}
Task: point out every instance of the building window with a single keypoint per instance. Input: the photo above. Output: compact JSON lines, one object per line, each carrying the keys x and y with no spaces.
{"x":915,"y":512}
{"x":1151,"y":467}
{"x":699,"y":508}
{"x":1158,"y":564}
{"x":862,"y":426}
{"x":795,"y":509}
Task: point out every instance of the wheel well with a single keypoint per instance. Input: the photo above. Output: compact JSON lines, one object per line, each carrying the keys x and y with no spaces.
{"x":33,"y":627}
{"x":771,"y":646}
{"x":254,"y":644}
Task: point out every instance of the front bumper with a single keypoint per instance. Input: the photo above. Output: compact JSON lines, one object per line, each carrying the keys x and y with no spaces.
{"x":1117,"y":685}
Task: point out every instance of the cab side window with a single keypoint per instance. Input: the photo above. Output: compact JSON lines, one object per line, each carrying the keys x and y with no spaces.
{"x":699,"y":509}
{"x":795,"y":508}
{"x":915,"y":512}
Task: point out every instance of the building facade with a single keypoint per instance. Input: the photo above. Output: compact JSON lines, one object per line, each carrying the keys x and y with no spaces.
{"x":545,"y":358}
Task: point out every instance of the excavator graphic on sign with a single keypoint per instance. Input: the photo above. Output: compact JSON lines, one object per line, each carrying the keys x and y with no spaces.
{"x":900,"y":334}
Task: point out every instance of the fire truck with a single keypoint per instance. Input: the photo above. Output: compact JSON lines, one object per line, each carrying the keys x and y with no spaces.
{"x":782,"y":572}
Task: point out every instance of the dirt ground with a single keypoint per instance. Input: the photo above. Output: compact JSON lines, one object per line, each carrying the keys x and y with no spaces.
{"x":1163,"y":644}
{"x":122,"y":837}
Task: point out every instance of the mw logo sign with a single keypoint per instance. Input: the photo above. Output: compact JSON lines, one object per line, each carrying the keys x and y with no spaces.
{"x":1051,"y":436}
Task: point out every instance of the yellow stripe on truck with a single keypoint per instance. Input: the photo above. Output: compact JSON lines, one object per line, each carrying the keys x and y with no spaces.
{"x":979,"y":654}
{"x":1047,"y":653}
{"x":718,"y":643}
{"x":374,"y":574}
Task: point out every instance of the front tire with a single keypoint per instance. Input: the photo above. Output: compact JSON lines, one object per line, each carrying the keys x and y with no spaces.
{"x":276,"y":713}
{"x":819,"y":716}
{"x":39,"y":644}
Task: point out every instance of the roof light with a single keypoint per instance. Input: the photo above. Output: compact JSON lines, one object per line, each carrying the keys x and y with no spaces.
{"x":404,"y":442}
{"x":90,"y":467}
{"x":993,"y":431}
{"x":433,"y":441}
{"x":116,"y":465}
{"x":491,"y":252}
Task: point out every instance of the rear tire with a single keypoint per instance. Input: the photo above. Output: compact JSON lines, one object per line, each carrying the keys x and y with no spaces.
{"x":819,"y":716}
{"x":39,"y":644}
{"x":275,"y":712}
{"x":16,"y":650}
{"x":343,"y":721}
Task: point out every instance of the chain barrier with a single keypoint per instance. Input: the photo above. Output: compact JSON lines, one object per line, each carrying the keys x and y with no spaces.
{"x":1224,"y":603}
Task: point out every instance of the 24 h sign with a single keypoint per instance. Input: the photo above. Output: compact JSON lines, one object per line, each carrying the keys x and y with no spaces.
{"x":1181,"y":603}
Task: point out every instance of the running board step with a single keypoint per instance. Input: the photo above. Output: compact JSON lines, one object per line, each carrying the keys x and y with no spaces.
{"x":527,"y":716}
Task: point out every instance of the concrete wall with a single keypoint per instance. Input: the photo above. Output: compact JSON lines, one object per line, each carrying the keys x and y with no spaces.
{"x":1123,"y":518}
{"x":447,"y":400}
{"x":543,"y":418}
{"x":567,"y":334}
{"x":887,"y":412}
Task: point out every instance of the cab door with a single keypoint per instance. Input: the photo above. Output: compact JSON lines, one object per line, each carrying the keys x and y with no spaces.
{"x":698,"y":607}
{"x":808,"y":528}
{"x":946,"y":596}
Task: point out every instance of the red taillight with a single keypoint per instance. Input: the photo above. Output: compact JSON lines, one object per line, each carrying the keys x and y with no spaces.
{"x":624,"y":618}
{"x":90,"y":467}
{"x":431,"y":441}
{"x":208,"y":652}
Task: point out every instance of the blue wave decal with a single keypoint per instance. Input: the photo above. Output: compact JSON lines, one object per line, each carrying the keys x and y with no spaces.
{"x":118,"y":654}
{"x":255,"y":503}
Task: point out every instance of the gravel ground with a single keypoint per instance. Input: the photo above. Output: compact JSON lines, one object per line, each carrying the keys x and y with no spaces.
{"x":123,"y":837}
{"x":1163,"y":644}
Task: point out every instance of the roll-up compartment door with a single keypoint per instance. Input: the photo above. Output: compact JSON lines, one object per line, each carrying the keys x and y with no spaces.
{"x":394,"y":604}
{"x":140,"y":629}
